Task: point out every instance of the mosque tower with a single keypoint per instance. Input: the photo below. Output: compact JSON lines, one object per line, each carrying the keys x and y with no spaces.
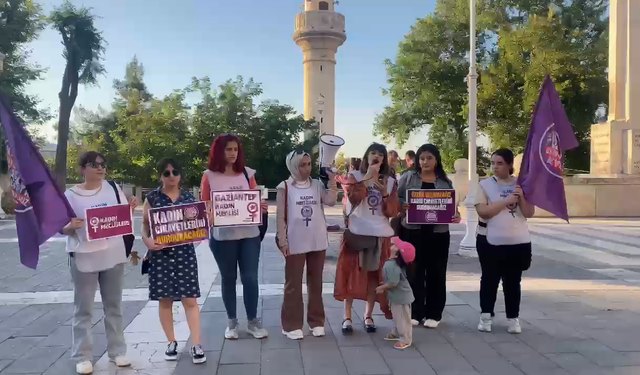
{"x":319,"y":31}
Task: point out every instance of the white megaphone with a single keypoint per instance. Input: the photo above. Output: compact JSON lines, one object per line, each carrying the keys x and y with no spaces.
{"x":329,"y":146}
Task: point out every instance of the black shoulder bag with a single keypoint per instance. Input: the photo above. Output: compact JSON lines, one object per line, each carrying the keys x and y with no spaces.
{"x":129,"y":238}
{"x":265,"y":215}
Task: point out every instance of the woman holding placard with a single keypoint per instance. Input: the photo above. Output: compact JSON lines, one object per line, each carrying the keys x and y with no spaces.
{"x":173,"y":271}
{"x":372,"y":200}
{"x":237,"y":246}
{"x":99,"y":262}
{"x":302,"y":238}
{"x":428,"y":274}
{"x":503,"y":241}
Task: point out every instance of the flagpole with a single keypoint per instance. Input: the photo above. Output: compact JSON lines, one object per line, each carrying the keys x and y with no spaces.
{"x":468,"y":244}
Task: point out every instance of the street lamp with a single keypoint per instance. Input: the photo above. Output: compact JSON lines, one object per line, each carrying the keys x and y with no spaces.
{"x":468,"y":244}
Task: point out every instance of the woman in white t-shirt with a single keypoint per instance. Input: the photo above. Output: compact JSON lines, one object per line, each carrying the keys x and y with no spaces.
{"x":94,"y":263}
{"x":503,"y":241}
{"x":372,"y":201}
{"x":302,"y":238}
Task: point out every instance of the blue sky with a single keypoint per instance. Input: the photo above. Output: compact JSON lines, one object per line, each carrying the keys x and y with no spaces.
{"x":176,"y":40}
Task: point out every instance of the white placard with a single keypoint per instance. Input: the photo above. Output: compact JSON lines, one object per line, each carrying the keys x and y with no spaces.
{"x":236,"y":208}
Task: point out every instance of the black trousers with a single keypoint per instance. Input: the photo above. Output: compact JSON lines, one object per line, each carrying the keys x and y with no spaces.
{"x":506,"y":263}
{"x":427,"y":274}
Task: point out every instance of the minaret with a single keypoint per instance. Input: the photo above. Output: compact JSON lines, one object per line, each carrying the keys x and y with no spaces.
{"x":319,"y":32}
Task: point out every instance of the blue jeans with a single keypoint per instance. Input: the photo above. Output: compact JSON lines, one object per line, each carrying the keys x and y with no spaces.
{"x":244,"y":253}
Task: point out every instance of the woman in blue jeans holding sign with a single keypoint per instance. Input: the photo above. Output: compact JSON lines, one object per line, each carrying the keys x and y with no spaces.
{"x":234,"y":247}
{"x":173,"y":270}
{"x":428,"y":273}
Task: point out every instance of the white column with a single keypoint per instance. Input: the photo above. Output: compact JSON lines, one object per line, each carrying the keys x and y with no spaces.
{"x":468,"y":244}
{"x":633,"y":59}
{"x":3,"y":215}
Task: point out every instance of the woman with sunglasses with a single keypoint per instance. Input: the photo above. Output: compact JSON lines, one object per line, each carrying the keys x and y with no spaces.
{"x":94,"y":263}
{"x":237,"y":246}
{"x":372,"y":201}
{"x":173,"y":271}
{"x":302,"y":238}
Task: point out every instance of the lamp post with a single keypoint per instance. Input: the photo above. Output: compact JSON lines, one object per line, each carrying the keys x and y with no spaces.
{"x":3,"y":215}
{"x":468,"y":244}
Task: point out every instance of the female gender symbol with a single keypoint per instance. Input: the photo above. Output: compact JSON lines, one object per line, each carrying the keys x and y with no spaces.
{"x":253,"y":208}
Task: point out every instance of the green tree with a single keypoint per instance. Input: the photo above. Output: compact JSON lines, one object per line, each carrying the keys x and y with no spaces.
{"x":519,"y":41}
{"x":83,"y":49}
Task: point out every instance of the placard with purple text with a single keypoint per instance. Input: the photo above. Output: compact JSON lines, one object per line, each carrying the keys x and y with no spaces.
{"x":108,"y":222}
{"x":431,"y":206}
{"x":236,"y":208}
{"x":179,"y":225}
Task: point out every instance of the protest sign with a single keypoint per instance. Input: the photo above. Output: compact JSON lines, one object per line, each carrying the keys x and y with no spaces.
{"x":179,"y":225}
{"x":107,"y":222}
{"x":432,"y":206}
{"x":236,"y":208}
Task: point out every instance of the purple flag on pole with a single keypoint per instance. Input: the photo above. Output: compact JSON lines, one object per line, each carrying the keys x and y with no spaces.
{"x":41,"y":208}
{"x":551,"y":134}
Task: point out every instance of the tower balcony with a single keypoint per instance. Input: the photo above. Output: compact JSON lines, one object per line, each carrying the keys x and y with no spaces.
{"x":316,"y":24}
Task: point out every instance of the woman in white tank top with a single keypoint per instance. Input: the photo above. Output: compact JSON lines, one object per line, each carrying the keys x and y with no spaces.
{"x":503,"y":242}
{"x":237,"y":247}
{"x":302,"y":238}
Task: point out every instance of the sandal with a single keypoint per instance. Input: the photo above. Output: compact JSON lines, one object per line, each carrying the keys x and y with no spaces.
{"x":401,"y":346}
{"x":391,"y":337}
{"x":370,"y":328}
{"x":347,"y":326}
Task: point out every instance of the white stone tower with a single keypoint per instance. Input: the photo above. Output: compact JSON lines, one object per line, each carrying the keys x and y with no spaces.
{"x":319,"y":32}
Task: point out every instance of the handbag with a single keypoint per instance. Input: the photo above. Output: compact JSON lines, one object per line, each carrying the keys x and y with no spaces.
{"x":265,"y":215}
{"x":128,"y":238}
{"x":356,"y":242}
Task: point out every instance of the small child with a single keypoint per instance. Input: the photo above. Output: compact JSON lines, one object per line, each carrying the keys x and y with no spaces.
{"x":399,"y":291}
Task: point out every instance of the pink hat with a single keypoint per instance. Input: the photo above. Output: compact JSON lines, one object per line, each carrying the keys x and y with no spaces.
{"x":407,"y":250}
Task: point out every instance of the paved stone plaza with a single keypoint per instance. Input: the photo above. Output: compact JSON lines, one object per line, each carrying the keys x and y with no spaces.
{"x":580,"y":315}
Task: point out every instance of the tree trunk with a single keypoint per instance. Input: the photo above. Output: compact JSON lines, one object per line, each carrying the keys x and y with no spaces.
{"x":63,"y":140}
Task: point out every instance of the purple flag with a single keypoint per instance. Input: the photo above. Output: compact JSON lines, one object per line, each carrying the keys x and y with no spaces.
{"x":551,"y":134}
{"x":41,"y":208}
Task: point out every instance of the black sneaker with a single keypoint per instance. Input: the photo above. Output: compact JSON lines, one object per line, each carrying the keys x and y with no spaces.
{"x":197,"y":355}
{"x":171,"y":354}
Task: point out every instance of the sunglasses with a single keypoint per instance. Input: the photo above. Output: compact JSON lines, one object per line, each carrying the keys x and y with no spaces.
{"x":95,"y":165}
{"x":297,"y":152}
{"x":167,"y":173}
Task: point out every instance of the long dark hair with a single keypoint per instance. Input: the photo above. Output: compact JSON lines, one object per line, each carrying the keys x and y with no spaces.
{"x":364,"y":165}
{"x":507,"y":156}
{"x":433,"y":150}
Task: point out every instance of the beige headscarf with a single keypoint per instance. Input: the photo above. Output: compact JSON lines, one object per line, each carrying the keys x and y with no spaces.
{"x":293,"y":164}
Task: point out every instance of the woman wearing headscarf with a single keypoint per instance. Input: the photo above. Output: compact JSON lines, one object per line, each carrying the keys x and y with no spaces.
{"x":372,"y":201}
{"x":428,"y":274}
{"x":302,"y":238}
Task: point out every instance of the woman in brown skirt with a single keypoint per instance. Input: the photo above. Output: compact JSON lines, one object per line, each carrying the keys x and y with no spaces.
{"x":372,"y":200}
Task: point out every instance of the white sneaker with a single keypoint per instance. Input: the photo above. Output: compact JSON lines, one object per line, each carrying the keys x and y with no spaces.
{"x":294,"y":335}
{"x":485,"y":323}
{"x":415,"y":323}
{"x":121,"y":361}
{"x":231,"y":333}
{"x":318,"y":331}
{"x":430,"y":323}
{"x":255,"y":328}
{"x":514,"y":326}
{"x":84,"y":367}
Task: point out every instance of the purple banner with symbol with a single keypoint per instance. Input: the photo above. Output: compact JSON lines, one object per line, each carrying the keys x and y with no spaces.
{"x":180,"y":225}
{"x":432,"y":206}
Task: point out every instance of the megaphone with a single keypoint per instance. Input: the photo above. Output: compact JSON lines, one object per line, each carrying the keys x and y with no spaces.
{"x":329,"y":146}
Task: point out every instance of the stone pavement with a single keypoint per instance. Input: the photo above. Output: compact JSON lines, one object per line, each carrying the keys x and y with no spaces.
{"x":580,"y":315}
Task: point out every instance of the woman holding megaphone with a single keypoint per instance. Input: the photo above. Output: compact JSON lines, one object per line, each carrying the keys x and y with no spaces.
{"x":302,"y":238}
{"x":372,"y":200}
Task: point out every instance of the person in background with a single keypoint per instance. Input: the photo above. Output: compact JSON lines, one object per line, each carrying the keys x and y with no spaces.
{"x":399,"y":291}
{"x":394,"y":164}
{"x":302,"y":238}
{"x":428,"y":276}
{"x":96,"y":263}
{"x":410,"y":159}
{"x":503,"y":241}
{"x":173,"y":271}
{"x":238,"y":246}
{"x":372,"y":200}
{"x":354,"y":165}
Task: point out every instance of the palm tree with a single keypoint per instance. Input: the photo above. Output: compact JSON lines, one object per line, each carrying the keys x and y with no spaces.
{"x":83,"y":50}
